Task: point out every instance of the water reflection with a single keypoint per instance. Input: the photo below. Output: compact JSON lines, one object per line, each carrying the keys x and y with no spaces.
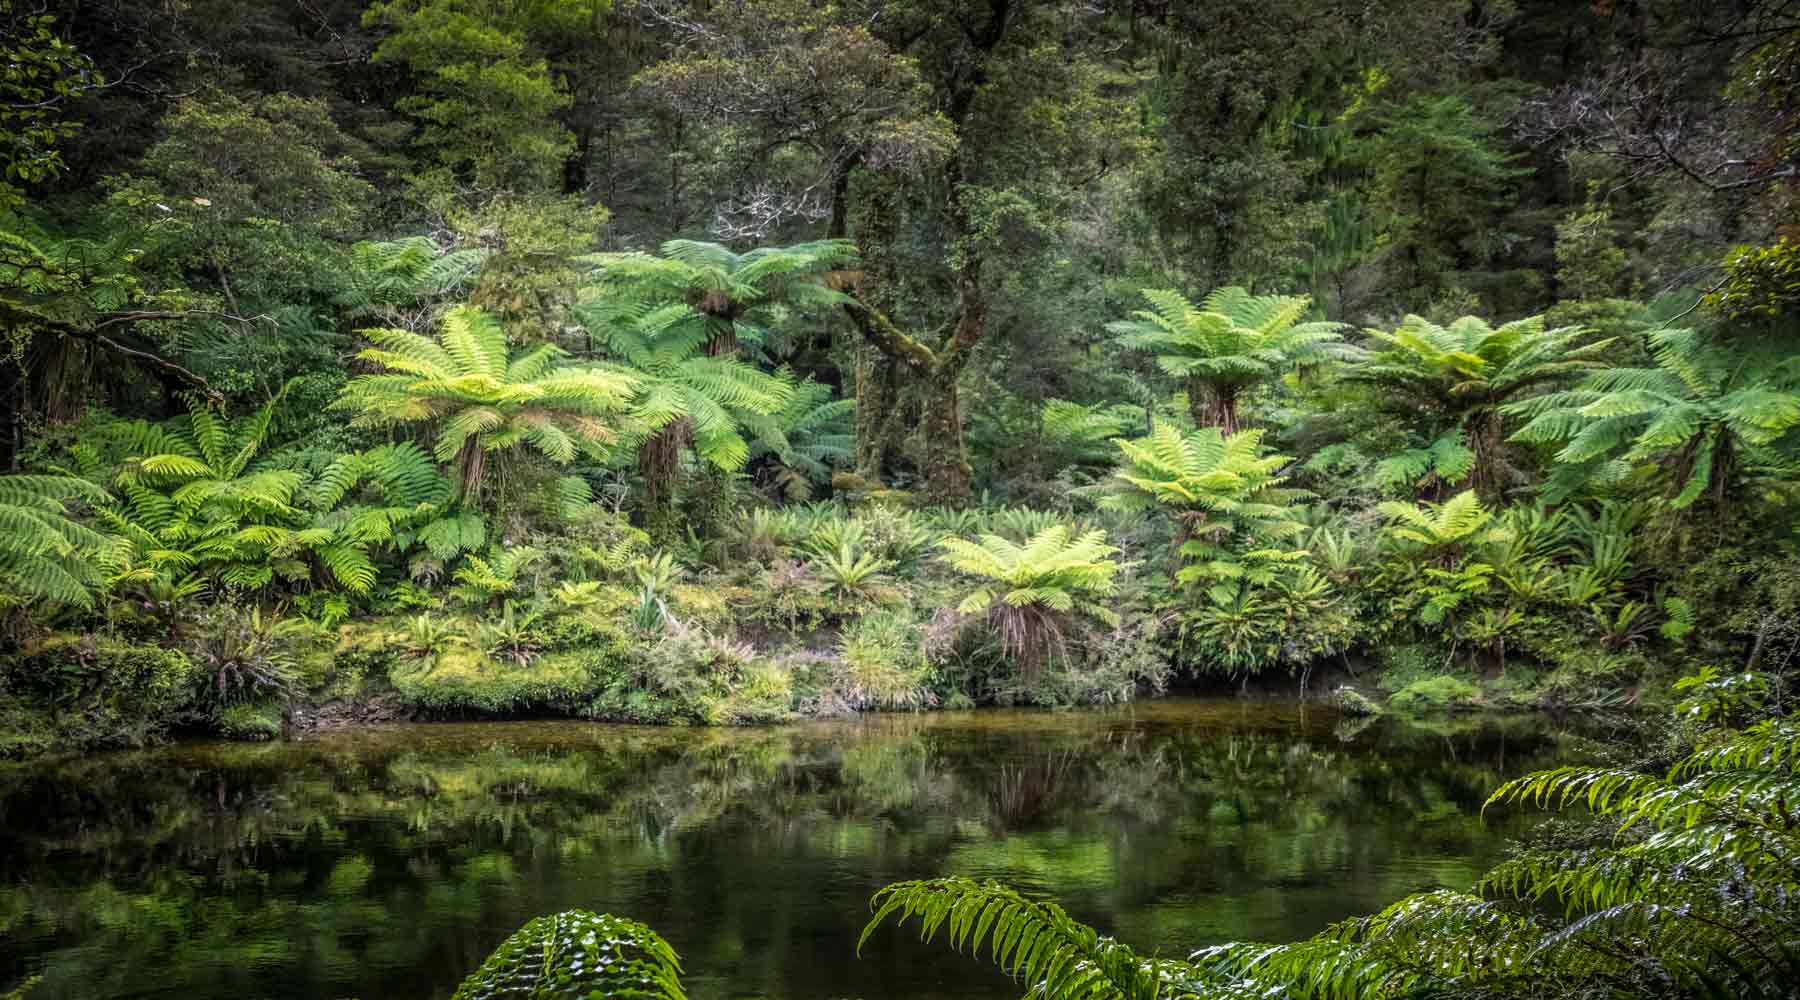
{"x":386,"y":864}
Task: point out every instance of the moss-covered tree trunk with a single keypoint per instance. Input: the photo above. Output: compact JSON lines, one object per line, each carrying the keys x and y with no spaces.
{"x":947,"y":471}
{"x":946,"y":463}
{"x":879,"y":426}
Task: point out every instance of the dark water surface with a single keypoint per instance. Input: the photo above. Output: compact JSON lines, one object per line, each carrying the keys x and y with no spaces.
{"x":387,"y":863}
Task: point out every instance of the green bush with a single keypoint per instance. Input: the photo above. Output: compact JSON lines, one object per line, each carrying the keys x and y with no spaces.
{"x":883,"y":665}
{"x":1353,"y":702}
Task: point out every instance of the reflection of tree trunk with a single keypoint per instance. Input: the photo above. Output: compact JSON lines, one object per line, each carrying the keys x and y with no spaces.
{"x":1024,"y":793}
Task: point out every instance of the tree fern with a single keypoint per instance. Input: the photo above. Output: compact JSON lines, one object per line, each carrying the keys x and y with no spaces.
{"x":721,"y":285}
{"x":1447,"y":459}
{"x":1226,"y":491}
{"x":1463,"y":376}
{"x":386,"y":278}
{"x":1082,"y":435}
{"x":1031,"y":587}
{"x":1690,"y":418}
{"x":805,"y":441}
{"x":481,"y":399}
{"x":685,"y":395}
{"x":1230,"y":342}
{"x":46,"y":557}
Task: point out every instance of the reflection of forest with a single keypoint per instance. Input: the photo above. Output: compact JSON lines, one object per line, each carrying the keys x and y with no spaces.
{"x":386,"y":864}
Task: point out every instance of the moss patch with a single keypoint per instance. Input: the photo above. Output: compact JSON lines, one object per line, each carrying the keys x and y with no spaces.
{"x":93,"y":691}
{"x":462,"y":678}
{"x":1436,"y":694}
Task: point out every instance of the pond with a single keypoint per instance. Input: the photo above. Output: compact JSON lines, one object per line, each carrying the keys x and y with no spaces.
{"x":387,"y":863}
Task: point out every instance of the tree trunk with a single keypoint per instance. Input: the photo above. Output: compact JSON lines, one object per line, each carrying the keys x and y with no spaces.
{"x":471,"y":464}
{"x":877,"y":413}
{"x":1213,"y":406}
{"x":947,"y":471}
{"x":659,"y":461}
{"x":1484,"y":430}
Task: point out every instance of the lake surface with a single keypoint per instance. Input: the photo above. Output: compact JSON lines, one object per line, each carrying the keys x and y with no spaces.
{"x":386,"y":864}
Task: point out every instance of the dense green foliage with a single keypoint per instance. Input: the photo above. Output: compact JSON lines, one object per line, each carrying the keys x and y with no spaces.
{"x":736,"y":362}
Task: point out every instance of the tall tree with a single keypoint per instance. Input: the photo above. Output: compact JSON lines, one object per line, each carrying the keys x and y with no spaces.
{"x":490,"y":106}
{"x":788,"y":98}
{"x":1036,"y":127}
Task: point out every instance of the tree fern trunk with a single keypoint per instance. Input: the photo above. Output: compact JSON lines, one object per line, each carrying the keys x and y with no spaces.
{"x":1213,"y":406}
{"x":471,"y":465}
{"x":659,"y":462}
{"x":1484,"y":431}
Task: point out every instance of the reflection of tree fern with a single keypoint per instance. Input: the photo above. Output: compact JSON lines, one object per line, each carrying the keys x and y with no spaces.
{"x":578,"y":954}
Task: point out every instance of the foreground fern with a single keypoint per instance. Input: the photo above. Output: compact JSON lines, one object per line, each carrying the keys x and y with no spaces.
{"x":578,"y":954}
{"x":1059,"y":957}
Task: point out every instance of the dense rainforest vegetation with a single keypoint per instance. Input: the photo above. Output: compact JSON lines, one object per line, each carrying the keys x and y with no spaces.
{"x":736,"y":361}
{"x":731,"y":362}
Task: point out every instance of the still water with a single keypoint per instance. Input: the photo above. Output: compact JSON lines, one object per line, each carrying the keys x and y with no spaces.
{"x":386,"y":864}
